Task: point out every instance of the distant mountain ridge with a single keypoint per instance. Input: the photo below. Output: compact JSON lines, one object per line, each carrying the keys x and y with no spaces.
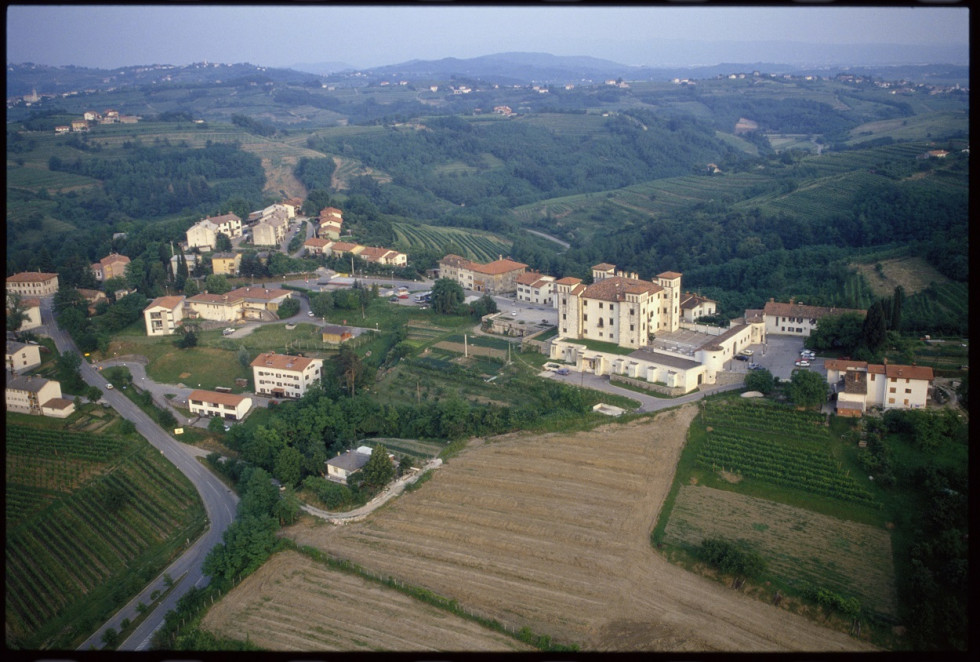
{"x":516,"y":68}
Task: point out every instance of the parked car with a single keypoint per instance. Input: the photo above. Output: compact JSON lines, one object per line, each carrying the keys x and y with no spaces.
{"x":741,"y":357}
{"x":747,"y":352}
{"x":755,"y":366}
{"x":109,"y":386}
{"x":309,"y":314}
{"x":561,"y":371}
{"x":803,"y":363}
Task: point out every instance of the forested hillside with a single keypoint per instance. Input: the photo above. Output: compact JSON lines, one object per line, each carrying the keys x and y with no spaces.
{"x":753,"y":186}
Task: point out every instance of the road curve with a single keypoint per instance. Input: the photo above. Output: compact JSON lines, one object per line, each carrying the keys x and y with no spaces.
{"x":220,"y":504}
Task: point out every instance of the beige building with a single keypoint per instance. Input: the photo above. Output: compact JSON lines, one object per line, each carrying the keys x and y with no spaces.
{"x":341,"y":248}
{"x":163,"y":315}
{"x":111,"y":266}
{"x":341,"y":467}
{"x":32,"y":395}
{"x":204,"y":233}
{"x":265,"y":233}
{"x":31,"y":308}
{"x":316,"y":245}
{"x":330,"y":229}
{"x":533,"y":287}
{"x":497,"y":277}
{"x":32,"y":284}
{"x":284,"y":376}
{"x":617,"y":308}
{"x":226,"y":264}
{"x":226,"y":405}
{"x":256,"y":303}
{"x":796,"y":319}
{"x":860,"y":385}
{"x":694,"y":306}
{"x":22,"y":357}
{"x":384,"y":256}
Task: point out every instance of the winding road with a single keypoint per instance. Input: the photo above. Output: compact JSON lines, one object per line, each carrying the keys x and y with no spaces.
{"x":220,"y":504}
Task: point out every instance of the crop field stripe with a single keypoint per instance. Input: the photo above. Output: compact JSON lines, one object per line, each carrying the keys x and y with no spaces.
{"x":84,"y":572}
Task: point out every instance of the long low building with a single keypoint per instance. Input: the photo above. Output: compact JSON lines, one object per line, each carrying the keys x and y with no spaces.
{"x":36,"y":396}
{"x":212,"y":403}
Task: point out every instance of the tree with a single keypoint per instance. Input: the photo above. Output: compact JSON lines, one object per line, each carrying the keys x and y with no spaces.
{"x":216,"y":424}
{"x":841,"y":332}
{"x":898,"y":298}
{"x":222,"y":243}
{"x":191,"y":287}
{"x":217,"y":284}
{"x":350,"y":368}
{"x":188,"y":339}
{"x":760,"y":380}
{"x":873,"y":332}
{"x":379,"y":469}
{"x":287,"y":468}
{"x":447,"y":296}
{"x":288,"y":308}
{"x":807,"y":389}
{"x":321,"y":304}
{"x":16,"y":313}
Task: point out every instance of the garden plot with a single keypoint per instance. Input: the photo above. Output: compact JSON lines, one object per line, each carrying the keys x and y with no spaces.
{"x":799,"y":545}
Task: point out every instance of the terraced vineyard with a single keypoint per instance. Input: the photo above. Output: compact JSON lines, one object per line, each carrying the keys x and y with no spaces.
{"x":86,"y":516}
{"x":478,"y":246}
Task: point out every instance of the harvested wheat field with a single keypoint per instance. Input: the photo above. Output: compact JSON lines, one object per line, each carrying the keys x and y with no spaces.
{"x":552,"y":532}
{"x":293,"y":603}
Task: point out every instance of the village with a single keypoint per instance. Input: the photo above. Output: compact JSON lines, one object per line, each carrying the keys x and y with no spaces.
{"x":618,"y":329}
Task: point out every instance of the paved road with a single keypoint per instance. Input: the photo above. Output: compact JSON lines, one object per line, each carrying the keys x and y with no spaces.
{"x":220,"y":504}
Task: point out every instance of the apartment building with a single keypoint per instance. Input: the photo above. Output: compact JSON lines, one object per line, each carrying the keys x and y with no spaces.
{"x":284,"y":376}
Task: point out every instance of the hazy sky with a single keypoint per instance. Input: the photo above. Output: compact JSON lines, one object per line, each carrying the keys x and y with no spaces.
{"x":368,"y":36}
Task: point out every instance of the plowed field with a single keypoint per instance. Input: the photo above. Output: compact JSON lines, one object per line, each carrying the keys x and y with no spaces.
{"x":552,"y":532}
{"x":293,"y":603}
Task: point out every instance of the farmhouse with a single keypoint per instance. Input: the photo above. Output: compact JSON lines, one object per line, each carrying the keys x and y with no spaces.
{"x":694,"y":306}
{"x":226,"y":405}
{"x":797,"y":319}
{"x":22,"y":357}
{"x":346,"y":464}
{"x":284,"y":376}
{"x":163,"y":315}
{"x":32,"y":284}
{"x":860,"y":385}
{"x":111,"y":266}
{"x":618,"y":308}
{"x":384,"y":256}
{"x":92,"y":297}
{"x":497,"y":277}
{"x":36,"y":396}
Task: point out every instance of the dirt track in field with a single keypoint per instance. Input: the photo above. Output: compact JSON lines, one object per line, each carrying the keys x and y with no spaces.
{"x":552,"y":532}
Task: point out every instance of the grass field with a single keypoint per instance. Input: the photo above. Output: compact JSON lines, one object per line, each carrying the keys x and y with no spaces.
{"x":913,"y":273}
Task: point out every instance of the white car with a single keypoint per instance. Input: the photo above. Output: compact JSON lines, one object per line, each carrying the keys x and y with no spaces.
{"x":513,"y":313}
{"x":803,"y":363}
{"x":309,"y":314}
{"x":109,"y":386}
{"x":746,"y":352}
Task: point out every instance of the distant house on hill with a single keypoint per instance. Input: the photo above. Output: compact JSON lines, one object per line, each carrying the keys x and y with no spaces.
{"x":797,"y":319}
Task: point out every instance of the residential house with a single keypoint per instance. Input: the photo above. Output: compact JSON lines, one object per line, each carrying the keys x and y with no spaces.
{"x":330,"y":229}
{"x":226,"y":405}
{"x":62,"y":128}
{"x":316,"y":245}
{"x":31,"y":308}
{"x":798,"y":319}
{"x":226,"y":264}
{"x":284,"y":376}
{"x":22,"y":357}
{"x":203,"y":234}
{"x":79,"y":125}
{"x":163,"y":315}
{"x":216,"y":307}
{"x":190,"y":259}
{"x":32,"y":284}
{"x":271,"y":229}
{"x":534,"y":287}
{"x":335,"y":334}
{"x":694,"y":306}
{"x":860,"y":385}
{"x":619,"y":308}
{"x":344,"y":465}
{"x":384,"y":256}
{"x":341,"y":248}
{"x":35,"y":395}
{"x":497,"y":277}
{"x":111,"y":266}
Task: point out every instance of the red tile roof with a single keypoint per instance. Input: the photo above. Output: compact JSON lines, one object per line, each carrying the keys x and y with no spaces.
{"x":615,"y":288}
{"x":282,"y":362}
{"x":216,"y":397}
{"x":169,"y":303}
{"x":779,"y":309}
{"x":669,"y":275}
{"x":30,"y":277}
{"x":498,"y":267}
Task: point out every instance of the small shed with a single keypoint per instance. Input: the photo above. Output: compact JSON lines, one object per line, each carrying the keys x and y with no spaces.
{"x":346,"y":464}
{"x":336,"y":334}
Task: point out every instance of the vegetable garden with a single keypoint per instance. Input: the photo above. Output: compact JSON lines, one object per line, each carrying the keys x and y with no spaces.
{"x":89,"y":518}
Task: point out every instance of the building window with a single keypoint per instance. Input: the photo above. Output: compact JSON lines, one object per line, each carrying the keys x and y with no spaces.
{"x":906,"y":402}
{"x":585,"y":318}
{"x":610,"y":321}
{"x":891,"y":390}
{"x":908,"y":390}
{"x":891,"y":401}
{"x":631,"y":327}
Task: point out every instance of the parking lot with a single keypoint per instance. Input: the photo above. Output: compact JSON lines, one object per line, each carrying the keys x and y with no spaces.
{"x":778,"y":355}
